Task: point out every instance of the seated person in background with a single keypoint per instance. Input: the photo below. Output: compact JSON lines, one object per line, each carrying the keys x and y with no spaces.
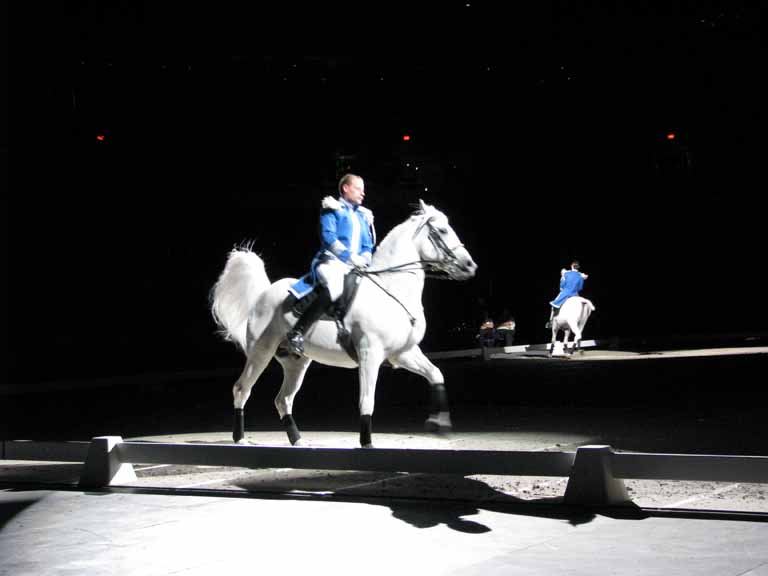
{"x":505,"y":332}
{"x":486,"y":335}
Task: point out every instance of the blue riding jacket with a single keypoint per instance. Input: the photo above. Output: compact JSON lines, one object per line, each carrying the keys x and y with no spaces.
{"x":345,"y":229}
{"x":570,"y":285}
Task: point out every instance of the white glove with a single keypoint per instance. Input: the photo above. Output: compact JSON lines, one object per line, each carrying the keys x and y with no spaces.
{"x":358,"y":261}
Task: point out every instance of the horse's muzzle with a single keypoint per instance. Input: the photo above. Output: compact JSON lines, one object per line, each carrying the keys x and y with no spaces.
{"x":464,"y":268}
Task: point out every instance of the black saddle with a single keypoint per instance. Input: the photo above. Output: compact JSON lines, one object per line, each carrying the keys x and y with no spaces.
{"x":336,"y":311}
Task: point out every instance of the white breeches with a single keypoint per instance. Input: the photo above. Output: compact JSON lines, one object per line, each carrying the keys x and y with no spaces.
{"x":331,"y":273}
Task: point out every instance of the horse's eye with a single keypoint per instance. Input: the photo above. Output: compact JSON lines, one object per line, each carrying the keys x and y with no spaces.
{"x":443,"y":230}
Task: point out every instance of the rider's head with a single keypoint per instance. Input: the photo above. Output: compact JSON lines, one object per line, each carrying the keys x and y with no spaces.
{"x":352,"y":189}
{"x":575,"y":265}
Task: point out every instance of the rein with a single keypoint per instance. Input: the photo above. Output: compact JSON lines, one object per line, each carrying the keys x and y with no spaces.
{"x":428,"y":266}
{"x":370,"y":275}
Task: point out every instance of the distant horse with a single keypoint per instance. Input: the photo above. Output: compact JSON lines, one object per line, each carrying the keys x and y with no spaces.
{"x":385,"y":321}
{"x":572,"y":317}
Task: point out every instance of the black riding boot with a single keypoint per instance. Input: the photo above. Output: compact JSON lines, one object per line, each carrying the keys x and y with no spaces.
{"x":309,"y":317}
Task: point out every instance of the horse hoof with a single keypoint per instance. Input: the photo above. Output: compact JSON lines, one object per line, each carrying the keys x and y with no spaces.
{"x":243,"y":442}
{"x":299,"y":443}
{"x":366,"y":446}
{"x":435,"y":426}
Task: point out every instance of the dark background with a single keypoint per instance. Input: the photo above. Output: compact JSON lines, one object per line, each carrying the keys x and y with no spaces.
{"x":540,"y":130}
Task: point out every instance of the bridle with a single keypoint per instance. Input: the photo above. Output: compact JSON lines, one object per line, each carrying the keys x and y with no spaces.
{"x":449,"y":261}
{"x":442,"y":268}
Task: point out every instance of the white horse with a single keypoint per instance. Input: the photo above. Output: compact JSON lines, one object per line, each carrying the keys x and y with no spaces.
{"x":385,"y":321}
{"x":572,"y":317}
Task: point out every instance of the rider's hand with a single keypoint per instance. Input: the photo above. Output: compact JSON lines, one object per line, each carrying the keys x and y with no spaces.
{"x":358,"y":261}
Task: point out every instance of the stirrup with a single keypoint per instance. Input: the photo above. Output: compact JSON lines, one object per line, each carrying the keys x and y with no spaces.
{"x":295,"y":342}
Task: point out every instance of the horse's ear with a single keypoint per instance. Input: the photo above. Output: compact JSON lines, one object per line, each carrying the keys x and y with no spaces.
{"x":422,"y":206}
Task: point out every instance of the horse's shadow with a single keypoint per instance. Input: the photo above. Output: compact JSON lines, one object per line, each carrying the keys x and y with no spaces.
{"x":450,"y":500}
{"x":453,"y":498}
{"x":421,"y":500}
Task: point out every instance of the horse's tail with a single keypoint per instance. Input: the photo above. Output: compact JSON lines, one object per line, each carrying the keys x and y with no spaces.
{"x":235,"y":293}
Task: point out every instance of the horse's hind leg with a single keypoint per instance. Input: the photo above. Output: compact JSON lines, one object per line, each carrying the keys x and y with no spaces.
{"x":554,"y":340}
{"x":258,"y":359}
{"x":415,"y":361}
{"x":294,"y":369}
{"x":566,"y":336}
{"x":576,"y":344}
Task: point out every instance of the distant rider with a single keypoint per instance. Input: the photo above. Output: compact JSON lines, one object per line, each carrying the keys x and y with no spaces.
{"x":571,"y":283}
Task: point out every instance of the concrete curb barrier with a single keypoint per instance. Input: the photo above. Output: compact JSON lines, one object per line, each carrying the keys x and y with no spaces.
{"x":595,"y":472}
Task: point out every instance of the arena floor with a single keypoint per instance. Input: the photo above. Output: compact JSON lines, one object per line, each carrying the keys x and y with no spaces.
{"x":192,"y":519}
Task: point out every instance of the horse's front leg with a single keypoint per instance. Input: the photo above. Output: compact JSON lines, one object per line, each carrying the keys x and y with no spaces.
{"x":370,"y":356}
{"x":415,"y":361}
{"x":576,"y":338}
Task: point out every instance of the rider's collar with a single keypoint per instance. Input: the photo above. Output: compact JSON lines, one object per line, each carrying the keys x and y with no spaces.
{"x":348,"y":203}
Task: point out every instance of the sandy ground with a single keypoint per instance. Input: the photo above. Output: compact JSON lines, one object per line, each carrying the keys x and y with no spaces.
{"x":660,"y":405}
{"x":713,"y":496}
{"x":644,"y":493}
{"x":594,"y":355}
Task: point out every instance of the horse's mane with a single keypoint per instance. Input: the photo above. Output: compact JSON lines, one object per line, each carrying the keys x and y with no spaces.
{"x":418,"y":214}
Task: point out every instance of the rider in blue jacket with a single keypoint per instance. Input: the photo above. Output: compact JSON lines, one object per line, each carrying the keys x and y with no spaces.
{"x":347,"y":240}
{"x":571,"y":283}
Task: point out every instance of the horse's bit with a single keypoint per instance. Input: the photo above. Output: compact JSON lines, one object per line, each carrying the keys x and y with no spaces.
{"x":448,"y":263}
